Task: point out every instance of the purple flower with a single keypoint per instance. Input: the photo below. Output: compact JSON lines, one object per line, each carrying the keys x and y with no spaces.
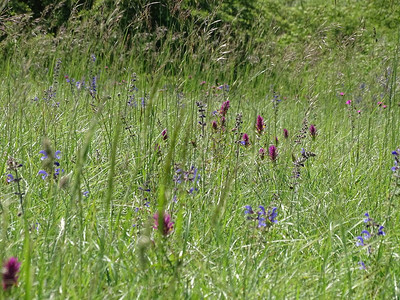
{"x":214,"y":125}
{"x":262,"y":212}
{"x":368,"y":218}
{"x":366,"y":234}
{"x":285,"y":133}
{"x":43,"y":173}
{"x":380,"y":230}
{"x":57,"y":154}
{"x":362,"y":265}
{"x":44,"y":155}
{"x":260,"y":124}
{"x":164,"y":134}
{"x":168,"y":226}
{"x":85,"y":193}
{"x":224,"y":108}
{"x":248,"y":210}
{"x":245,"y":140}
{"x":273,"y":153}
{"x":360,"y":241}
{"x":272,"y":214}
{"x":261,"y":222}
{"x":262,"y":153}
{"x":313,"y":131}
{"x":10,"y":178}
{"x":9,"y":274}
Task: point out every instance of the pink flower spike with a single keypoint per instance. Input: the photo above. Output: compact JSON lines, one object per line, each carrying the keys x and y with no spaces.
{"x":348,"y":102}
{"x":341,"y":94}
{"x":384,"y":106}
{"x":273,"y":153}
{"x":359,"y":112}
{"x":259,"y":124}
{"x":9,"y":274}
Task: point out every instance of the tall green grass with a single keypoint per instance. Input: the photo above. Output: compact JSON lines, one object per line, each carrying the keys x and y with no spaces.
{"x":103,"y":244}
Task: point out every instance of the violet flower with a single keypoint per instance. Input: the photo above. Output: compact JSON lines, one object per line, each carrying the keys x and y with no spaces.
{"x":260,"y":124}
{"x":168,"y":226}
{"x":9,"y":274}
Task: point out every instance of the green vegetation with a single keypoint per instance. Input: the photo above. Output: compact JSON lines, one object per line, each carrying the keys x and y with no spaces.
{"x":116,"y":112}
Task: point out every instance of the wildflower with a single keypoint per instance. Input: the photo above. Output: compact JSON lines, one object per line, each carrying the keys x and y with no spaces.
{"x":262,"y":212}
{"x":272,"y":214}
{"x":260,"y":124}
{"x":313,"y":131}
{"x":43,"y":173}
{"x":285,"y":133}
{"x":248,"y":210}
{"x":214,"y":125}
{"x":341,"y":94}
{"x":273,"y":153}
{"x":224,"y":108}
{"x":362,"y":265}
{"x":262,"y":153}
{"x":380,"y":103}
{"x":10,"y":178}
{"x":9,"y":274}
{"x":168,"y":226}
{"x":85,"y":193}
{"x":57,"y":154}
{"x":366,"y":234}
{"x":380,"y":230}
{"x":368,"y":218}
{"x":348,"y":102}
{"x":245,"y":140}
{"x":44,"y":155}
{"x":164,"y":134}
{"x":360,"y":241}
{"x":359,"y":112}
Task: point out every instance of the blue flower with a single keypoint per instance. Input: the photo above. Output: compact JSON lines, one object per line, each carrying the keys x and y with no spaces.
{"x":368,"y":218}
{"x":85,"y":193}
{"x":248,"y":210}
{"x":262,"y":212}
{"x":261,"y":222}
{"x":44,"y":155}
{"x":10,"y":178}
{"x":272,"y":215}
{"x":362,"y":265}
{"x":380,"y":230}
{"x":43,"y":173}
{"x":360,"y":241}
{"x":366,"y":234}
{"x":57,"y":154}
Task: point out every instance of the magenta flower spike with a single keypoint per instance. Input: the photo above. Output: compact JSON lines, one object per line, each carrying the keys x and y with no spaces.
{"x":260,"y":124}
{"x":273,"y":153}
{"x":168,"y":226}
{"x":313,"y":131}
{"x":164,"y":134}
{"x":245,"y":139}
{"x":285,"y":133}
{"x":262,"y":153}
{"x":224,"y":108}
{"x":9,"y":274}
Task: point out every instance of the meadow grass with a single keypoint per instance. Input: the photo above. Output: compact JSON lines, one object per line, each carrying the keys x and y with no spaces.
{"x":87,"y":230}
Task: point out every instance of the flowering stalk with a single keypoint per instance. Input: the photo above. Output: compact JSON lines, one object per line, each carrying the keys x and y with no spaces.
{"x":259,"y":124}
{"x":9,"y":274}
